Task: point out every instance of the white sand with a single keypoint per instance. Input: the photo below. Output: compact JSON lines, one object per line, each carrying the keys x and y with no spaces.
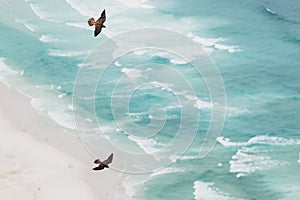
{"x":40,"y":160}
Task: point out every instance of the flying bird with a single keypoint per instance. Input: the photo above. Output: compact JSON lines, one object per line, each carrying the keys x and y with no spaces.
{"x":99,"y":24}
{"x":103,"y":164}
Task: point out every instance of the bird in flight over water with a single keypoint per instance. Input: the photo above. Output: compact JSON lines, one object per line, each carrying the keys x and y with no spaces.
{"x":99,"y":24}
{"x":103,"y":164}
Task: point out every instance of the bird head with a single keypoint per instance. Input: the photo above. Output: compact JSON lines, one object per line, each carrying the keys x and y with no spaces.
{"x":91,"y":21}
{"x":97,"y":161}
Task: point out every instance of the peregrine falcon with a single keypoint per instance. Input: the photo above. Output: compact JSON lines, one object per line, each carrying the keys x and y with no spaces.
{"x":103,"y":164}
{"x":99,"y":24}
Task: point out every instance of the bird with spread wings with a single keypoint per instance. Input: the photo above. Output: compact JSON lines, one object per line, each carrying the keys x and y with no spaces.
{"x":103,"y":164}
{"x":99,"y":24}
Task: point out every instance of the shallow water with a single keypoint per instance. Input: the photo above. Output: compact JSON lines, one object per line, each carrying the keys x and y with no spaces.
{"x":254,"y":44}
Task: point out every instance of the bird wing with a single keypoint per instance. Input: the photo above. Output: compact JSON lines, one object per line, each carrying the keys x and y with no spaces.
{"x":102,"y":18}
{"x":108,"y":160}
{"x":98,"y":29}
{"x":100,"y":167}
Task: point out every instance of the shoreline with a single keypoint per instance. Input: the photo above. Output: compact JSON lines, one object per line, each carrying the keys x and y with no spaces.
{"x":42,"y":160}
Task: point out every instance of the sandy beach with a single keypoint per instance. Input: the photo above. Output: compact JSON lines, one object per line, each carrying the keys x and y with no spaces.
{"x":41,"y":160}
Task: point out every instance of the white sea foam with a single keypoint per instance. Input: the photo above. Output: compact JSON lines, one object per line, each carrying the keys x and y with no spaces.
{"x":37,"y":104}
{"x":88,"y":120}
{"x":52,"y":86}
{"x":132,"y":73}
{"x":61,"y":53}
{"x":61,"y":95}
{"x":139,"y":52}
{"x":133,"y":184}
{"x":162,"y":86}
{"x":203,"y":105}
{"x":162,"y":54}
{"x":174,"y":158}
{"x":191,"y":97}
{"x":178,"y":61}
{"x":299,"y":158}
{"x":199,"y":104}
{"x":80,"y":25}
{"x":136,"y":116}
{"x":118,"y":64}
{"x":187,"y":157}
{"x":6,"y":72}
{"x":270,"y":11}
{"x":230,"y":49}
{"x":208,"y":42}
{"x":226,"y":142}
{"x":215,"y":43}
{"x":71,"y":107}
{"x":250,"y":159}
{"x":239,"y":175}
{"x":88,"y":64}
{"x":48,"y":38}
{"x":62,"y":118}
{"x":205,"y":191}
{"x":149,"y":145}
{"x":43,"y":14}
{"x":173,"y":107}
{"x":261,"y":139}
{"x":162,"y":117}
{"x":5,"y":69}
{"x":174,"y":59}
{"x":29,"y":26}
{"x":149,"y":69}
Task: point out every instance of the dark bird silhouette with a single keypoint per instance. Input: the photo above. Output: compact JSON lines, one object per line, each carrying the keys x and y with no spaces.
{"x":99,"y":24}
{"x":103,"y":164}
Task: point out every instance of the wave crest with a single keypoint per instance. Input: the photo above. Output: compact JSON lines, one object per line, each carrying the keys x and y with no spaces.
{"x":262,"y":139}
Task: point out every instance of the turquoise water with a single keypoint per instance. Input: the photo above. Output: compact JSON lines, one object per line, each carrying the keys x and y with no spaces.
{"x":254,"y":44}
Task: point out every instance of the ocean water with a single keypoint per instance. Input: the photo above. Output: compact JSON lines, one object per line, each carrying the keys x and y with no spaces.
{"x":142,"y":107}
